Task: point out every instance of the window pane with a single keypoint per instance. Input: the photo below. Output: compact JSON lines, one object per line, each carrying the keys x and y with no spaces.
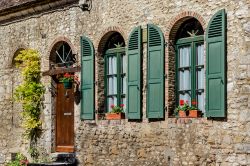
{"x":200,"y":69}
{"x":181,"y":74}
{"x":200,"y":54}
{"x":124,"y":85}
{"x":201,"y":101}
{"x":110,"y":65}
{"x":111,"y":86}
{"x":114,"y":65}
{"x":184,"y":57}
{"x":112,"y":82}
{"x":200,"y":78}
{"x":111,"y":101}
{"x":186,"y":97}
{"x":124,"y":102}
{"x":115,"y":85}
{"x":124,"y":64}
{"x":185,"y":80}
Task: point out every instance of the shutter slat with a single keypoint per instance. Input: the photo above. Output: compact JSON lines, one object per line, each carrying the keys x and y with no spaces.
{"x":155,"y":73}
{"x":87,"y":79}
{"x":215,"y":67}
{"x":215,"y":27}
{"x":134,"y":75}
{"x":155,"y":38}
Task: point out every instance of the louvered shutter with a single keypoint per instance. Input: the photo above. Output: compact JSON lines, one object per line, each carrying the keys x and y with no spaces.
{"x":134,"y":75}
{"x":87,"y":79}
{"x":155,"y":73}
{"x":215,"y":65}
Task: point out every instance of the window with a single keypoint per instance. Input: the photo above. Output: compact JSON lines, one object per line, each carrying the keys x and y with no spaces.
{"x":190,"y":63}
{"x":62,"y":55}
{"x":115,"y":72}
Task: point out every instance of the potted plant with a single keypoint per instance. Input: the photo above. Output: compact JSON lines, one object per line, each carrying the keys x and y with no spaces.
{"x":67,"y":80}
{"x":193,"y":111}
{"x":117,"y":112}
{"x":182,"y":109}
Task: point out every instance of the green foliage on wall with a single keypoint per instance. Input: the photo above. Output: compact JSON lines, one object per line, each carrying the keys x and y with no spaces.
{"x":30,"y":92}
{"x":20,"y":160}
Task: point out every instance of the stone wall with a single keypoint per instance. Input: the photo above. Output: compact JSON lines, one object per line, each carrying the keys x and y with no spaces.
{"x":172,"y":142}
{"x":10,"y":126}
{"x":182,"y":142}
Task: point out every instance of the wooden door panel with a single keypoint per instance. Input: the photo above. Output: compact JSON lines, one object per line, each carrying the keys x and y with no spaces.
{"x":64,"y":119}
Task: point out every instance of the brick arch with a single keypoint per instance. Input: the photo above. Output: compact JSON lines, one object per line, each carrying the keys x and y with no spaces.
{"x":176,"y":22}
{"x":105,"y":36}
{"x":56,"y":41}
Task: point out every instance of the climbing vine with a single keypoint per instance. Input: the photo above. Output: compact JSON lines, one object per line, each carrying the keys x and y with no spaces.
{"x":30,"y":92}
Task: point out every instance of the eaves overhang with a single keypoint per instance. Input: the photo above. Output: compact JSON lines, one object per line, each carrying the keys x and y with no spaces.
{"x":15,"y":12}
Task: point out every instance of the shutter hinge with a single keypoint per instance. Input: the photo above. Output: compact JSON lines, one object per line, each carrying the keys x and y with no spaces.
{"x":146,"y":87}
{"x":166,"y":44}
{"x":166,"y":108}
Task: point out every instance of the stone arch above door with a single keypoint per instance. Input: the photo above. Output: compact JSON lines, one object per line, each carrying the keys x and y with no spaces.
{"x":52,"y":48}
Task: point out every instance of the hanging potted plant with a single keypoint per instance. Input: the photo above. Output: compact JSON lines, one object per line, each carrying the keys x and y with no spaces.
{"x":194,"y":112}
{"x":182,"y":109}
{"x":117,"y":112}
{"x":67,"y":80}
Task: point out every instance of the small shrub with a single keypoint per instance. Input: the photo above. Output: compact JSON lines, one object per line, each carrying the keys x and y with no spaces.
{"x":20,"y":160}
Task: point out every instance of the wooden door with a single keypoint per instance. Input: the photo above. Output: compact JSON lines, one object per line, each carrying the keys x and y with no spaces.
{"x":64,"y":119}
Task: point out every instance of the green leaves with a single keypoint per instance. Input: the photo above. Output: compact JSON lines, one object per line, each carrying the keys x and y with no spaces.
{"x":30,"y":92}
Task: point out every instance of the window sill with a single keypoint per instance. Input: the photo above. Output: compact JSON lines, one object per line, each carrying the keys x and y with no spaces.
{"x":187,"y":120}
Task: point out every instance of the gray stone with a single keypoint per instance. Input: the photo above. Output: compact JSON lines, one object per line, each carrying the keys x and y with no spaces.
{"x":2,"y":159}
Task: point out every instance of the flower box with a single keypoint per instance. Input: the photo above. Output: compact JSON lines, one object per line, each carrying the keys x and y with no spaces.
{"x":194,"y":114}
{"x":182,"y":114}
{"x":115,"y":116}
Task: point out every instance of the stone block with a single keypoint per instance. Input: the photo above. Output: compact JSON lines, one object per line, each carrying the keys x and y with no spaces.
{"x":2,"y":158}
{"x":242,"y":148}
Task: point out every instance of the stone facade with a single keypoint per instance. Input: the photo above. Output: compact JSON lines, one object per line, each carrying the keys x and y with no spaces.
{"x":101,"y":142}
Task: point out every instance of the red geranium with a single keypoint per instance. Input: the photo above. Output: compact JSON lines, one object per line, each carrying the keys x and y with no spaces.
{"x":181,"y":102}
{"x":122,"y":105}
{"x":112,"y":106}
{"x":24,"y":162}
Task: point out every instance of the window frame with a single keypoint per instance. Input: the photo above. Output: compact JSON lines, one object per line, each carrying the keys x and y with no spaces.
{"x":192,"y":42}
{"x":119,"y":75}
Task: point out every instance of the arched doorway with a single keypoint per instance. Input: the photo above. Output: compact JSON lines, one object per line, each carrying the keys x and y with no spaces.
{"x":62,"y":59}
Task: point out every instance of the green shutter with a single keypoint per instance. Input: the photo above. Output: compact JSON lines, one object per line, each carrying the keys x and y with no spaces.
{"x":134,"y":75}
{"x":155,"y":73}
{"x":87,"y":79}
{"x":215,"y":66}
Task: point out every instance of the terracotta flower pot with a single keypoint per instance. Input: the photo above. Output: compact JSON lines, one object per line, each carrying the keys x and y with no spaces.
{"x":115,"y":116}
{"x":182,"y":114}
{"x":194,"y":114}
